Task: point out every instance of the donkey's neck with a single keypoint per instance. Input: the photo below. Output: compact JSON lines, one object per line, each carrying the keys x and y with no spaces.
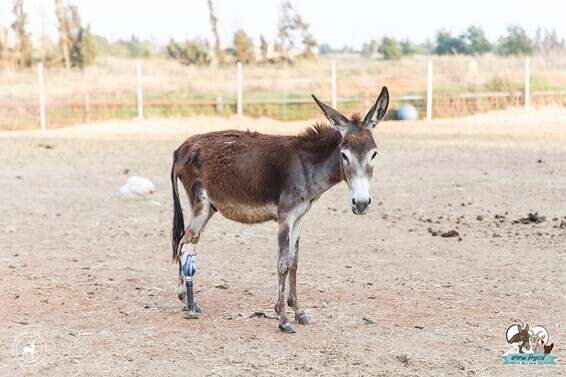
{"x":325,"y":173}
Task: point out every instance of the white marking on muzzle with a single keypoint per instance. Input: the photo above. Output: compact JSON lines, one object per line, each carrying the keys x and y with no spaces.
{"x":360,"y":189}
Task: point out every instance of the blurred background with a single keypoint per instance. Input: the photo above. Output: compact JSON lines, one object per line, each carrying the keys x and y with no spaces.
{"x":72,"y":62}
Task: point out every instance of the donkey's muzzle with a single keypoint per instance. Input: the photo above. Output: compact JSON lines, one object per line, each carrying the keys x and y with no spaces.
{"x":360,"y":207}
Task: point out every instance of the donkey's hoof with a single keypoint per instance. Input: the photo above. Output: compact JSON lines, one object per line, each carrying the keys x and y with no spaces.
{"x":302,"y":319}
{"x":286,"y":327}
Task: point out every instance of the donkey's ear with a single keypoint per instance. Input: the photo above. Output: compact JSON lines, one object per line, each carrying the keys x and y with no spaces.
{"x":336,"y":119}
{"x":377,"y":111}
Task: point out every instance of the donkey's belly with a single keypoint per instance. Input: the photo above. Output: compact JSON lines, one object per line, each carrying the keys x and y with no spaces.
{"x":248,"y":214}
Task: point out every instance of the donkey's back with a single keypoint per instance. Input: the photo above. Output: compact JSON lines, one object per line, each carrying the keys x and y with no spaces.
{"x":241,"y":173}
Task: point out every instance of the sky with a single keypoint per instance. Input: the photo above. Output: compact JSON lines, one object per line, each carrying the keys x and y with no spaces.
{"x":338,"y":22}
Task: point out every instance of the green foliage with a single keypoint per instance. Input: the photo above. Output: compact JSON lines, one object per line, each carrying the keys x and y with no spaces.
{"x":191,"y":52}
{"x":83,"y":50}
{"x":131,"y":48}
{"x":243,"y":47}
{"x":78,"y":45}
{"x":407,"y":47}
{"x":446,"y":44}
{"x":390,"y":49}
{"x":515,"y":42}
{"x":474,"y":41}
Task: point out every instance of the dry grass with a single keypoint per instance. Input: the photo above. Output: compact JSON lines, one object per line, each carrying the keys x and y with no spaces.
{"x":116,"y":78}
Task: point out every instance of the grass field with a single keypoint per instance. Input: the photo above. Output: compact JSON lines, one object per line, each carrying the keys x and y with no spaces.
{"x":88,"y":271}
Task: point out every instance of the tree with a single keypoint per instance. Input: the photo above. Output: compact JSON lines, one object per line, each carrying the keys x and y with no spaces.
{"x":82,"y":51}
{"x":293,"y":32}
{"x":549,"y":42}
{"x":65,"y":40}
{"x":284,"y":28}
{"x":308,"y":41}
{"x":23,"y":44}
{"x":370,"y":49}
{"x":75,"y":40}
{"x":446,"y":44}
{"x":263,"y":48}
{"x":389,"y":48}
{"x":4,"y":51}
{"x":193,"y":52}
{"x":243,"y":47}
{"x":325,"y":49}
{"x":173,"y":50}
{"x":515,"y":42}
{"x":214,"y":25}
{"x":474,"y":41}
{"x":407,"y":47}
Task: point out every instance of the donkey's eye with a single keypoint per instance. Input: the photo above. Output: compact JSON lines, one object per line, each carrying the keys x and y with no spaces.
{"x":345,"y":157}
{"x":373,"y":155}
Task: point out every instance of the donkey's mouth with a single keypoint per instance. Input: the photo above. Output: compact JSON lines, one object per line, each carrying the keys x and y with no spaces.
{"x":356,"y":212}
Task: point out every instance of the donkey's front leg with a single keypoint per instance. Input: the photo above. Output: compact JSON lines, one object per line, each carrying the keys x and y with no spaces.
{"x":292,"y":301}
{"x":282,"y":269}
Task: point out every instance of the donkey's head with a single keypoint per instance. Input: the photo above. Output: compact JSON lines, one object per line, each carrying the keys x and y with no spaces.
{"x":358,"y":149}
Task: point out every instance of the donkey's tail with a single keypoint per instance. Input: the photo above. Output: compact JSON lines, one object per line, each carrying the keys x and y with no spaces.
{"x":178,"y":220}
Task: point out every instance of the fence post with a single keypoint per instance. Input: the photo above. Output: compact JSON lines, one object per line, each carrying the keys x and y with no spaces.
{"x":87,"y":108}
{"x":41,"y":81}
{"x":333,"y":96}
{"x":140,"y":90}
{"x":527,"y":82}
{"x":219,"y":105}
{"x":429,"y":92}
{"x":240,"y":90}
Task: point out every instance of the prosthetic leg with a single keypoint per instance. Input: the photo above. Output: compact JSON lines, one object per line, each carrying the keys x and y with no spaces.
{"x":188,"y":271}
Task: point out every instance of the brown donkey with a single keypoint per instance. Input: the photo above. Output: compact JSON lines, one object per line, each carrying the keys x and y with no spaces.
{"x":251,"y":178}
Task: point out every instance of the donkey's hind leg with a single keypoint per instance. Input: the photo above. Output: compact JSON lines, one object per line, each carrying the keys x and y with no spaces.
{"x":200,"y":212}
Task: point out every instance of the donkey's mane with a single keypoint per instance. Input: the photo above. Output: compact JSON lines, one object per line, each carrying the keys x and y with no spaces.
{"x":320,"y":139}
{"x":356,"y":119}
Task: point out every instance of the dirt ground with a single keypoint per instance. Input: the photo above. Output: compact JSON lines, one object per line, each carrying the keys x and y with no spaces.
{"x":86,"y":274}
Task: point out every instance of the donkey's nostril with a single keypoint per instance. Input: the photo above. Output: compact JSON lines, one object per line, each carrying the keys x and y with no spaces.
{"x":369,"y":201}
{"x":353,"y":201}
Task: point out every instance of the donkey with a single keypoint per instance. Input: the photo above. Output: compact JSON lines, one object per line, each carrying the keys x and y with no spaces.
{"x":251,"y":177}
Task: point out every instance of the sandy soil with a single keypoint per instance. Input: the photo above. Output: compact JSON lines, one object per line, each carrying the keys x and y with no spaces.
{"x":88,"y":274}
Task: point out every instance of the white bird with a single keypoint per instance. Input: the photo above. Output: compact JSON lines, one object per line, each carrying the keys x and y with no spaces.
{"x":138,"y":186}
